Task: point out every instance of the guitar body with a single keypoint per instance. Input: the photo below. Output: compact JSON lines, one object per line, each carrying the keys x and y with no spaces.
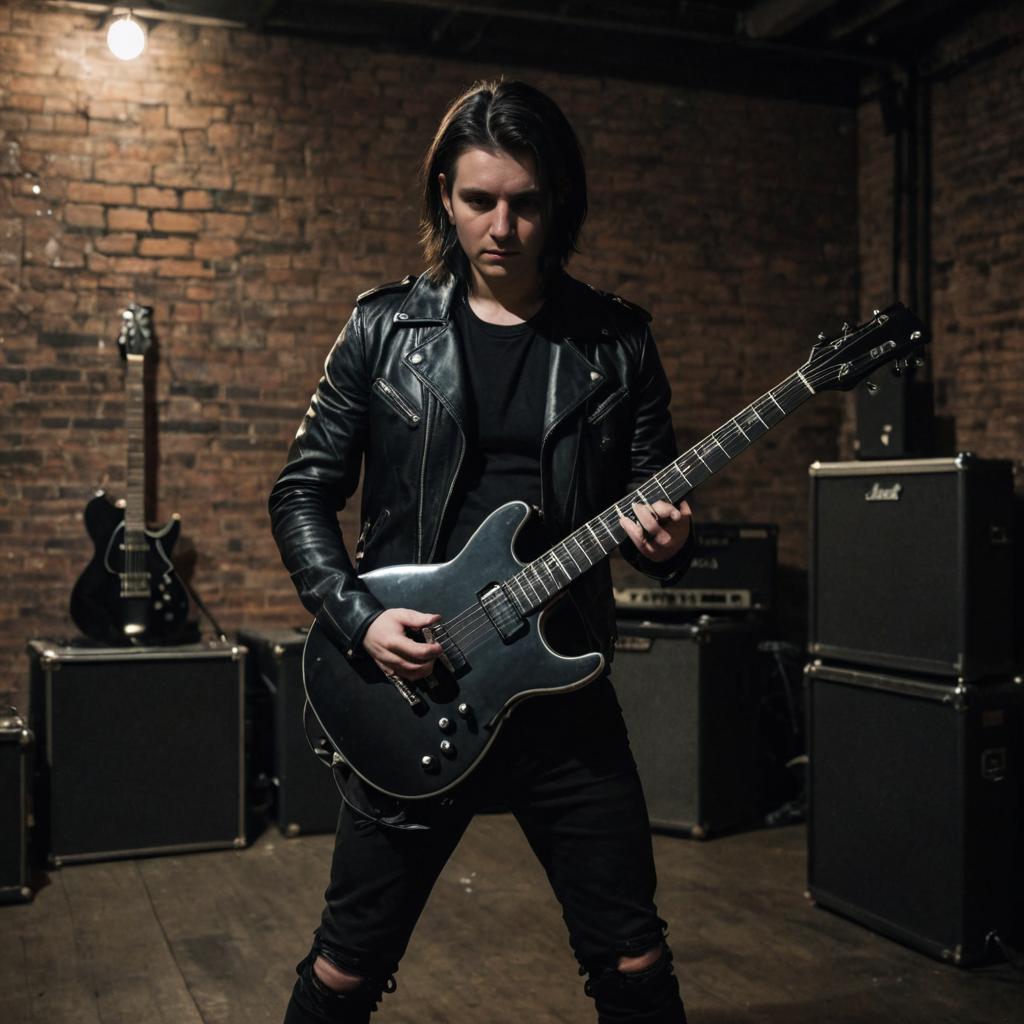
{"x":97,"y":605}
{"x":373,"y":725}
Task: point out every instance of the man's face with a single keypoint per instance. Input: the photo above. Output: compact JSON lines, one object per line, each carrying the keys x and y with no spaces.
{"x":497,"y":207}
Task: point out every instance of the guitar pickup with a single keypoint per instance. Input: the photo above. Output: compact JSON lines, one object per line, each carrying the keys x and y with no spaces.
{"x":502,"y":612}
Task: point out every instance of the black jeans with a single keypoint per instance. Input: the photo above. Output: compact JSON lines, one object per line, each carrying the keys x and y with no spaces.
{"x":563,"y":766}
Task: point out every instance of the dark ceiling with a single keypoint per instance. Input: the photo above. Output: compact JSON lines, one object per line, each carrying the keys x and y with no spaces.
{"x":801,"y":48}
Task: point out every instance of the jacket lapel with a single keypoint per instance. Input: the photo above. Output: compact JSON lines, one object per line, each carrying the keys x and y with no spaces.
{"x":436,"y":358}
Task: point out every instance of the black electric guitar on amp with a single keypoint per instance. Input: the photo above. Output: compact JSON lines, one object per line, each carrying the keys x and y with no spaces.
{"x":130,"y":593}
{"x":414,"y":740}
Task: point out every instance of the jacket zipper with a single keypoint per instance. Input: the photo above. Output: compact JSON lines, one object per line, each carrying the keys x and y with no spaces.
{"x":612,"y":401}
{"x":396,"y":401}
{"x":423,"y":484}
{"x":369,"y":526}
{"x":448,"y":498}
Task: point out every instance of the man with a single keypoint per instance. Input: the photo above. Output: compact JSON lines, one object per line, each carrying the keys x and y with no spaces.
{"x":493,"y":376}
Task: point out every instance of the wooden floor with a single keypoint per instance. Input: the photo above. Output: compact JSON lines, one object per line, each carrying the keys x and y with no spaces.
{"x":212,"y":938}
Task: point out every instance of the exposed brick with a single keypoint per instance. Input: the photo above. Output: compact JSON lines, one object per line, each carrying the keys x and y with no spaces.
{"x":195,"y":116}
{"x":90,"y":192}
{"x":134,"y":172}
{"x":187,"y":223}
{"x":122,"y":243}
{"x":127,"y":218}
{"x":161,"y":198}
{"x":194,"y":199}
{"x":84,"y":215}
{"x":182,"y":268}
{"x":231,"y":224}
{"x":216,"y":248}
{"x":165,"y":247}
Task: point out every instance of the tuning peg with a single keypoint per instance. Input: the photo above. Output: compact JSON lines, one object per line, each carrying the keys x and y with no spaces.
{"x":821,"y":336}
{"x":846,"y":327}
{"x":871,"y":386}
{"x":916,"y":336}
{"x":875,"y":312}
{"x":919,"y":361}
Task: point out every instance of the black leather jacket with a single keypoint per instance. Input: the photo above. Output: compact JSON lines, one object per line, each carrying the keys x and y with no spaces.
{"x":394,"y":396}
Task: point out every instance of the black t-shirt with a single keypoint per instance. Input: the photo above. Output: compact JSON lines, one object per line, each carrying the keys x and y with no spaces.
{"x":508,"y":374}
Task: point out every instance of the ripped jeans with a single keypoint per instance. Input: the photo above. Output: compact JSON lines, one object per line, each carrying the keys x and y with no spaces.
{"x":563,"y":766}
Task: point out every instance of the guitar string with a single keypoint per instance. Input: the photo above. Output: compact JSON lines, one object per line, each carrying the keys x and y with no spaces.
{"x":467,"y":626}
{"x":471,"y":623}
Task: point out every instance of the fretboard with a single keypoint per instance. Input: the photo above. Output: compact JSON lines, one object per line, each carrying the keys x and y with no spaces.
{"x":135,"y":426}
{"x":538,"y":582}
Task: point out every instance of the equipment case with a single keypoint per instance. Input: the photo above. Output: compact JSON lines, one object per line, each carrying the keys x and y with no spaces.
{"x":690,"y":701}
{"x":15,"y":744}
{"x":915,"y":801}
{"x":140,"y":749}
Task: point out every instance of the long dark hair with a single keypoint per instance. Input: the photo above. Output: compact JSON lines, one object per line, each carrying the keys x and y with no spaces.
{"x":514,"y":117}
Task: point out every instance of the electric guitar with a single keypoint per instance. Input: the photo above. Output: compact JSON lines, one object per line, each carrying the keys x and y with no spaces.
{"x":129,"y":591}
{"x":414,"y":740}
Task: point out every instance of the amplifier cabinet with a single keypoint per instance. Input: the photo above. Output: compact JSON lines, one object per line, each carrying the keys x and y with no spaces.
{"x":690,"y":704}
{"x":911,"y":565}
{"x":307,"y":798}
{"x":915,"y":800}
{"x":15,"y":744}
{"x":733,"y":569}
{"x":140,"y":749}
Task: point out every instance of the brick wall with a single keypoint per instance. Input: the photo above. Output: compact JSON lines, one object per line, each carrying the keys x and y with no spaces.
{"x":248,"y":187}
{"x":977,"y":227}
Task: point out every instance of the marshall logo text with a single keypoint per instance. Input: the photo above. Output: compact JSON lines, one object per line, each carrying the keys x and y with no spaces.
{"x":880,"y":493}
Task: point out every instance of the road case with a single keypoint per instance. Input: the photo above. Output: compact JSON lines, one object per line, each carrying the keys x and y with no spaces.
{"x":15,"y":813}
{"x":915,"y":806}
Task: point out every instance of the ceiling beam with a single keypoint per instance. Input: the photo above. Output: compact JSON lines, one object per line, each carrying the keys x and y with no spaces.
{"x":772,"y":18}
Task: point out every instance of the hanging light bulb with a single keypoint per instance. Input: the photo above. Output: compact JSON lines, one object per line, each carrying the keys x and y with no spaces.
{"x":126,"y":38}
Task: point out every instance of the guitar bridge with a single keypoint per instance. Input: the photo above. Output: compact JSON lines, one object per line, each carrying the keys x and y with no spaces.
{"x":405,"y":690}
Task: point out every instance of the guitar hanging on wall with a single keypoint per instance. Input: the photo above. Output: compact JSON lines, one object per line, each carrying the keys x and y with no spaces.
{"x":130,"y":593}
{"x":414,"y":740}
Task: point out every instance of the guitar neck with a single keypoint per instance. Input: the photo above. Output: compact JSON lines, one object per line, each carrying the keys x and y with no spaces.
{"x":135,"y":424}
{"x":552,"y":572}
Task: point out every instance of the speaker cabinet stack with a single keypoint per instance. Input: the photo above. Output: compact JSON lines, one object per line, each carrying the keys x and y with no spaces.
{"x":915,"y":711}
{"x":140,"y":750}
{"x":306,"y":797}
{"x":691,"y":706}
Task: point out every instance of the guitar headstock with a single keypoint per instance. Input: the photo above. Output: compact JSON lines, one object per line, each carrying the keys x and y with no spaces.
{"x":893,"y":335}
{"x":136,"y":335}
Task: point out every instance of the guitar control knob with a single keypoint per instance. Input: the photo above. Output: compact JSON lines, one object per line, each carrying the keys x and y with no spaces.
{"x":447,"y":748}
{"x":444,"y":724}
{"x":463,"y":709}
{"x":429,"y":762}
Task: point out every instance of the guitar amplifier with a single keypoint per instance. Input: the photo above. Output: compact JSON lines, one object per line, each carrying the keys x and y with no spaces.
{"x":915,"y":807}
{"x":15,"y":744}
{"x":139,"y":750}
{"x":911,"y":565}
{"x":307,"y":799}
{"x":690,"y":701}
{"x":733,"y":570}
